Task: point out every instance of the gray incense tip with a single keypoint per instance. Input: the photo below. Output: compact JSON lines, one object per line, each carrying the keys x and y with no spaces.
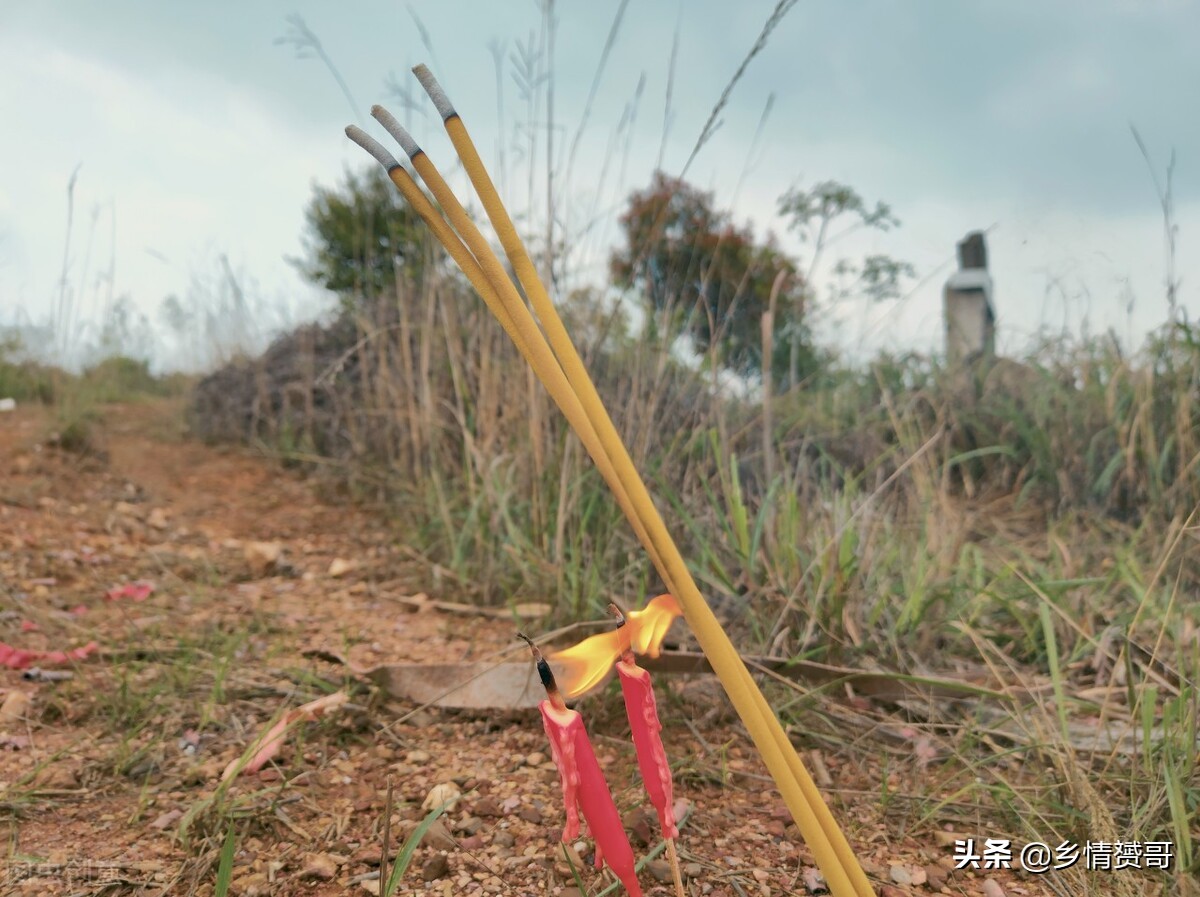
{"x":372,"y":146}
{"x":394,"y":128}
{"x":440,"y":101}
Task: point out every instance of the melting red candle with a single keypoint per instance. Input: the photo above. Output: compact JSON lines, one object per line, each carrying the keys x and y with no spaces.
{"x":642,"y":711}
{"x":583,"y":784}
{"x":652,"y":759}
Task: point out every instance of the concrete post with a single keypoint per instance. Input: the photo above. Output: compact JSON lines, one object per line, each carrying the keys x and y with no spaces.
{"x":969,"y":315}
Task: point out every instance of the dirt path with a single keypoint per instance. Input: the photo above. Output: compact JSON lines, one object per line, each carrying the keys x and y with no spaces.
{"x":109,"y":779}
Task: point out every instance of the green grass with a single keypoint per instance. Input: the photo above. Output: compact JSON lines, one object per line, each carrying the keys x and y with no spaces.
{"x":225,"y":865}
{"x":1026,"y":521}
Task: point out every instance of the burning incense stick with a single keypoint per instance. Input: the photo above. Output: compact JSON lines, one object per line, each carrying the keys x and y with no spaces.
{"x":644,"y":725}
{"x":583,"y":785}
{"x":557,"y":365}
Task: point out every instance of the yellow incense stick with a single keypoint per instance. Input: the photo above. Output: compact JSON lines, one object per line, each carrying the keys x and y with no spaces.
{"x":550,"y":372}
{"x":481,"y":266}
{"x":442,"y":231}
{"x":576,"y":397}
{"x":576,"y":373}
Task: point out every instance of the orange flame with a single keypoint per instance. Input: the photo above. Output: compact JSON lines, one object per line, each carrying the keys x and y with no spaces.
{"x":587,"y":663}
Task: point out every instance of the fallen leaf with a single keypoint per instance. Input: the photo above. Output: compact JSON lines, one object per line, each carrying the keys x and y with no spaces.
{"x":991,"y":888}
{"x":526,"y":610}
{"x":473,"y":686}
{"x":268,"y":745}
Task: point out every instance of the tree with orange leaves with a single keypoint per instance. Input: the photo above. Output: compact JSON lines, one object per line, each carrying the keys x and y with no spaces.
{"x":709,"y":278}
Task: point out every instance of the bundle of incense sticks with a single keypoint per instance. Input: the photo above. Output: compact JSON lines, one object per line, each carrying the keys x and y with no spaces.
{"x":557,"y":364}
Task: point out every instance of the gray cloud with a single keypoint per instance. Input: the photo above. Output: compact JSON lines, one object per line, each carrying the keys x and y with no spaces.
{"x":959,"y":114}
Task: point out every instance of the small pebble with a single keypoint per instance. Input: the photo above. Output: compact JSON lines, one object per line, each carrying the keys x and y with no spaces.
{"x":439,"y":838}
{"x":487,"y":806}
{"x":936,"y":876}
{"x":469,"y":826}
{"x":446,"y":793}
{"x":437,"y":866}
{"x":504,"y":838}
{"x":660,"y":870}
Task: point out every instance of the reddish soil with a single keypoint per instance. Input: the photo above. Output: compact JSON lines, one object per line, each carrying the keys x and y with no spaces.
{"x":99,"y":772}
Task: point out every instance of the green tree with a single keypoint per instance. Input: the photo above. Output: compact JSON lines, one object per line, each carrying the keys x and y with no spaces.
{"x":712,"y":278}
{"x":361,"y":236}
{"x":821,"y":216}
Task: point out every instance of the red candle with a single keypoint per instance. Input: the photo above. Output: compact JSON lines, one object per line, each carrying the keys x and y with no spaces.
{"x":642,"y":711}
{"x":583,"y":784}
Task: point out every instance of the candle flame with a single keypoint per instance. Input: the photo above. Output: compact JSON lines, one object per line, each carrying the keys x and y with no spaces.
{"x":586,"y":664}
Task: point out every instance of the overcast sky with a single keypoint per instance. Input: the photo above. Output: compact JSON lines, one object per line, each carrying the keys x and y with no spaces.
{"x":200,"y":136}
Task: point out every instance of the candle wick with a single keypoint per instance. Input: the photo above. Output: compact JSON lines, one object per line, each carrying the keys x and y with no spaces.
{"x":545,"y":674}
{"x":627,"y":649}
{"x":537,"y":652}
